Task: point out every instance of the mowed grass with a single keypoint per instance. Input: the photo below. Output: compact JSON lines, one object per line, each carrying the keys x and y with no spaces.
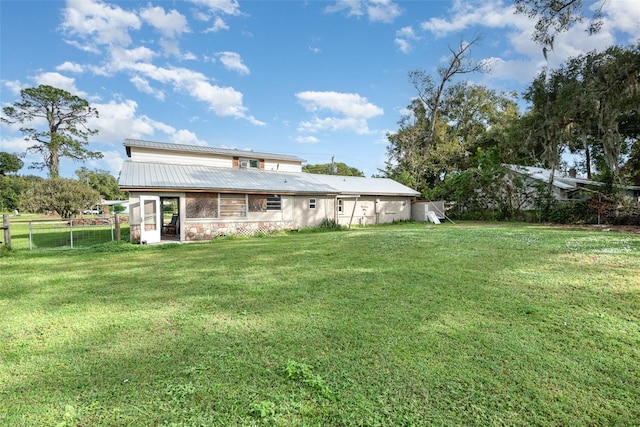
{"x":394,"y":325}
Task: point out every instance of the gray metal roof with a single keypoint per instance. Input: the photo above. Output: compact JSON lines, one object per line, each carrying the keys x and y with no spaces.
{"x":360,"y":185}
{"x":144,"y":175}
{"x":206,"y":149}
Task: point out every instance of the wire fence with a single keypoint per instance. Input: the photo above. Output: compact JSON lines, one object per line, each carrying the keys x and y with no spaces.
{"x":70,"y":233}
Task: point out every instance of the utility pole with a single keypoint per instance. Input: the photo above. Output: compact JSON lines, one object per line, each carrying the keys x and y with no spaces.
{"x":334,"y":169}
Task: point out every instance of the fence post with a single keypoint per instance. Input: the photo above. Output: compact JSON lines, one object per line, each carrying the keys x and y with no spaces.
{"x":117,"y":224}
{"x":71,"y":231}
{"x":7,"y":231}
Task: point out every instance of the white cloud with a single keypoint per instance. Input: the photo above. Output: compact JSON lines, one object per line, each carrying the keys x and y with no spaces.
{"x":307,"y":139}
{"x":352,"y":109}
{"x":170,"y":24}
{"x":123,"y":59}
{"x":349,"y":104}
{"x":403,"y":45}
{"x":184,"y":136}
{"x":383,"y":11}
{"x":524,"y":59}
{"x":223,"y":101}
{"x":118,"y":121}
{"x":16,"y":145}
{"x":353,"y":7}
{"x":102,"y":23}
{"x":233,"y":62}
{"x":112,"y":159}
{"x":97,"y":23}
{"x":59,"y":81}
{"x":403,"y":39}
{"x":215,"y":8}
{"x":70,"y":67}
{"x":334,"y":124}
{"x":170,"y":47}
{"x":227,"y":7}
{"x":218,"y":24}
{"x":407,"y":33}
{"x":14,"y":86}
{"x":624,"y":16}
{"x":143,"y":86}
{"x":376,"y":10}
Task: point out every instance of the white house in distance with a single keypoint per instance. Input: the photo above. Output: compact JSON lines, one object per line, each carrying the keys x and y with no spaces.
{"x":565,"y":186}
{"x":224,"y":191}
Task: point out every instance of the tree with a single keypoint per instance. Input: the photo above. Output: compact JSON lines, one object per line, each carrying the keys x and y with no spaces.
{"x":12,"y":188}
{"x":556,"y":16}
{"x":66,"y":134}
{"x":431,"y":93}
{"x":470,"y":117}
{"x":103,"y":182}
{"x":9,"y":163}
{"x":590,"y":105}
{"x":68,"y":197}
{"x":338,"y":168}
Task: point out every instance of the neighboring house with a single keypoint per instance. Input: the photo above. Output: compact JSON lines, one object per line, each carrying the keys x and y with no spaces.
{"x":223,"y":191}
{"x":566,"y":186}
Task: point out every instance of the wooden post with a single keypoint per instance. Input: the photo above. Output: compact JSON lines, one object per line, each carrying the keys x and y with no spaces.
{"x":117,"y":223}
{"x":7,"y":231}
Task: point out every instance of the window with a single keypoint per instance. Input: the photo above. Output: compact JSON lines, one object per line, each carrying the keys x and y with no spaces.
{"x":249,"y":163}
{"x":312,"y":203}
{"x":202,"y":205}
{"x":233,"y":205}
{"x":274,"y":202}
{"x":340,"y":205}
{"x":257,"y":203}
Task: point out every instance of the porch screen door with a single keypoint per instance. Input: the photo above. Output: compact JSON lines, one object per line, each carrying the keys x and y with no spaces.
{"x":150,"y":219}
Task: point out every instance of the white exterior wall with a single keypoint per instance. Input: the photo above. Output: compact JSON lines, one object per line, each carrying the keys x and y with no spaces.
{"x":371,"y":210}
{"x":177,"y":158}
{"x":295,"y":212}
{"x":304,"y":216}
{"x":205,"y":159}
{"x":282,"y":166}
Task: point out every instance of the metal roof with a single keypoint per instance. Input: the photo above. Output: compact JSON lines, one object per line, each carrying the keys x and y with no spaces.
{"x":150,"y":176}
{"x":206,"y":149}
{"x":544,"y":175}
{"x":361,"y":185}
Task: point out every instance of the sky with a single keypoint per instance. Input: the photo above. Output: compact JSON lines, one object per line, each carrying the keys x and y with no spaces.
{"x":321,"y":80}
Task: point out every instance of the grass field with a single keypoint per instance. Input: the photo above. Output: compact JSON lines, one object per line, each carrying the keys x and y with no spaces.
{"x":466,"y":324}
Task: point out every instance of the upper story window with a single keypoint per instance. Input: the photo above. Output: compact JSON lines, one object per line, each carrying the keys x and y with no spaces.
{"x":249,"y":163}
{"x":312,"y":203}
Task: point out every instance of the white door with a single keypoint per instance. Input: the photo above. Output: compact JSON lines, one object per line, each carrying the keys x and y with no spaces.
{"x":150,"y":219}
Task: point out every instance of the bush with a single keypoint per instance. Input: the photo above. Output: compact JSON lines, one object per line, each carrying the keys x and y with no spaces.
{"x":328,"y":224}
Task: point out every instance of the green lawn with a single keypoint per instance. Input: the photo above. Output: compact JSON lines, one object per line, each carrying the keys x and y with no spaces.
{"x":395,"y":325}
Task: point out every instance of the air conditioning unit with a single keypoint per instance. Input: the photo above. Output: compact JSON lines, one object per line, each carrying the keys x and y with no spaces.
{"x":244,"y":164}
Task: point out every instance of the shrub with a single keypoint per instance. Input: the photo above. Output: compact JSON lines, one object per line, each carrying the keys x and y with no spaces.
{"x":328,"y":224}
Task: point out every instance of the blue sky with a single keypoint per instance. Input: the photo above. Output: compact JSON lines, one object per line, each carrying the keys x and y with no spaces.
{"x":314,"y":79}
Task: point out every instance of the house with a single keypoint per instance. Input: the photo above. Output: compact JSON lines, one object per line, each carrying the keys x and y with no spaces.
{"x":217,"y":191}
{"x":566,"y":186}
